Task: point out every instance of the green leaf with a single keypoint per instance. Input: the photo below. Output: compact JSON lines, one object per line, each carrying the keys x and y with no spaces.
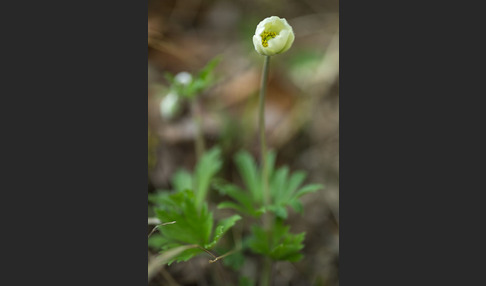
{"x":283,"y":186}
{"x":307,"y":189}
{"x":235,"y":260}
{"x":165,"y":257}
{"x":158,"y":197}
{"x":182,"y":180}
{"x":222,"y":227}
{"x":209,"y":164}
{"x":279,"y":184}
{"x":285,"y":190}
{"x":279,"y":244}
{"x":192,"y":226}
{"x":297,"y":206}
{"x":169,"y":77}
{"x":295,"y":181}
{"x":236,"y":193}
{"x":248,"y":171}
{"x":186,"y":255}
{"x":270,"y":162}
{"x":206,"y":72}
{"x":279,"y":211}
{"x":203,"y":80}
{"x":231,"y":205}
{"x":289,"y":248}
{"x":156,"y":241}
{"x":245,"y":281}
{"x":259,"y":241}
{"x":195,"y":87}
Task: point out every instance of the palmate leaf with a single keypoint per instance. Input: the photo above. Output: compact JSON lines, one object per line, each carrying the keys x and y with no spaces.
{"x":278,"y":244}
{"x":191,"y":227}
{"x":286,"y":191}
{"x":206,"y":168}
{"x":249,"y":201}
{"x":244,"y":205}
{"x":285,"y":188}
{"x":182,"y":180}
{"x":222,"y":227}
{"x":209,"y":164}
{"x":249,"y":173}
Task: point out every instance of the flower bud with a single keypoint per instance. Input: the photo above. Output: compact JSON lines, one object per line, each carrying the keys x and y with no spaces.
{"x":183,"y":78}
{"x":170,"y":105}
{"x":273,"y":36}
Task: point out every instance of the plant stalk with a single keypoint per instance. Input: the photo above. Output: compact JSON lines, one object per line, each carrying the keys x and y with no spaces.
{"x":267,"y":270}
{"x":263,"y":143}
{"x":267,"y":218}
{"x":196,"y":115}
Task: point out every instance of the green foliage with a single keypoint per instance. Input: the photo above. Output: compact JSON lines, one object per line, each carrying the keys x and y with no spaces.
{"x":164,"y":258}
{"x":245,"y":281}
{"x":182,"y":180}
{"x":195,"y":224}
{"x":192,"y":227}
{"x":285,"y":188}
{"x":188,"y":208}
{"x":203,"y":80}
{"x":235,"y":260}
{"x":278,"y":243}
{"x":209,"y":164}
{"x":222,"y":227}
{"x":286,"y":191}
{"x":206,"y":168}
{"x":156,"y":241}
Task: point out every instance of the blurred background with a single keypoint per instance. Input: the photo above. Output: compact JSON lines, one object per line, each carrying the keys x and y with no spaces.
{"x":302,"y":114}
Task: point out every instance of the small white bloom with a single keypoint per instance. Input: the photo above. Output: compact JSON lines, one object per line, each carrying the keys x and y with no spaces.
{"x":273,"y":36}
{"x":169,"y":106}
{"x":183,"y":78}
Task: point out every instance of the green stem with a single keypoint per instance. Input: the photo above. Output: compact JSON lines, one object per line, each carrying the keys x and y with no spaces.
{"x":267,"y":270}
{"x":263,"y":144}
{"x":196,"y":115}
{"x":267,"y":217}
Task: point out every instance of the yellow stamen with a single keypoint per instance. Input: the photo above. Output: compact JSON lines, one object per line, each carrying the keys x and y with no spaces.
{"x":267,"y":36}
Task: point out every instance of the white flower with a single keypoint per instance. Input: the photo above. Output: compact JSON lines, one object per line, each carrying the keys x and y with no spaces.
{"x":183,"y":78}
{"x":169,"y":106}
{"x":273,"y":36}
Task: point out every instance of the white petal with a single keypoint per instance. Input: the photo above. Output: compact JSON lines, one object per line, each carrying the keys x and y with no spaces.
{"x":289,"y":43}
{"x":277,"y":44}
{"x":257,"y":42}
{"x":259,"y":30}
